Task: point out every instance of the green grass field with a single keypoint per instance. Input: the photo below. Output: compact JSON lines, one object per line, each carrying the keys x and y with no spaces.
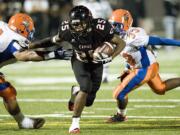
{"x":44,"y":88}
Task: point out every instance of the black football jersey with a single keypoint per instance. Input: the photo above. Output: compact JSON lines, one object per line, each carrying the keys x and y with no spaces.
{"x":84,"y":44}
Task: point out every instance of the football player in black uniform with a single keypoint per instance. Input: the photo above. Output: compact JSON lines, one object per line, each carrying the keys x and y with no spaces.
{"x":85,"y":34}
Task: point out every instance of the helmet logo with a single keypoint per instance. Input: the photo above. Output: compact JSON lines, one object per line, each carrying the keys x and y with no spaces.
{"x":25,"y":23}
{"x":125,"y":18}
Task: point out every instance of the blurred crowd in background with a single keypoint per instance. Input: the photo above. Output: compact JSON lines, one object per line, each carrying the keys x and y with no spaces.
{"x":153,"y":15}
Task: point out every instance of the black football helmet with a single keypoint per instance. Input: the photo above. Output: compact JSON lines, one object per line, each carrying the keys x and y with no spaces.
{"x":80,"y":20}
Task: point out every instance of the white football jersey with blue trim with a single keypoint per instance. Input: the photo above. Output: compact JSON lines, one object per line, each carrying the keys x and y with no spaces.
{"x":136,"y":52}
{"x":9,"y":43}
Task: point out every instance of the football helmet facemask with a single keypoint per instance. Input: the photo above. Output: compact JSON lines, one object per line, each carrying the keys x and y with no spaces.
{"x":80,"y":20}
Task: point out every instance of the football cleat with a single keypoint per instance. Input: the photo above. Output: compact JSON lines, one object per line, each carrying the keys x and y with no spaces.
{"x":74,"y":90}
{"x":38,"y":122}
{"x":75,"y":131}
{"x":31,"y":123}
{"x":116,"y":118}
{"x":74,"y":128}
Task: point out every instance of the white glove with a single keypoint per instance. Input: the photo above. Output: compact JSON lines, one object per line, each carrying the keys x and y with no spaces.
{"x":103,"y":61}
{"x":24,"y":44}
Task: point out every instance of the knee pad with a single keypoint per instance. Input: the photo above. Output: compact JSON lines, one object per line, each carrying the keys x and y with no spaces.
{"x":4,"y":85}
{"x":90,"y":100}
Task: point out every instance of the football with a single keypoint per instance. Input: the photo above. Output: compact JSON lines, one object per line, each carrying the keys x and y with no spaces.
{"x":103,"y":51}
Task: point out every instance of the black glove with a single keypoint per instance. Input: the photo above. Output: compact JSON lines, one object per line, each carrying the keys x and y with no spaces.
{"x":63,"y":54}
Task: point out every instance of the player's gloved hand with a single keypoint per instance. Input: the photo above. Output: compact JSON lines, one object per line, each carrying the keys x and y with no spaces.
{"x":63,"y":54}
{"x":24,"y":44}
{"x":103,"y":61}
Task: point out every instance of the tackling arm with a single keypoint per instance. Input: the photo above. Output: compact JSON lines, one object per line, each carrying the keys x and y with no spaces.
{"x":120,"y":44}
{"x":29,"y":55}
{"x":163,"y":41}
{"x":46,"y":42}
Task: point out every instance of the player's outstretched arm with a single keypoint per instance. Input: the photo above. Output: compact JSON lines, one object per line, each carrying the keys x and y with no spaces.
{"x":153,"y":40}
{"x":120,"y":44}
{"x":46,"y":42}
{"x":29,"y":55}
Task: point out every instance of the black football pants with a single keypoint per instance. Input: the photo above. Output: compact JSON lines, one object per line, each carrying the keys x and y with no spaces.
{"x":88,"y":76}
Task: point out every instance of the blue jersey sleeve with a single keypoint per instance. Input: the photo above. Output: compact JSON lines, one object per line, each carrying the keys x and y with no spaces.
{"x":163,"y":41}
{"x":14,"y":47}
{"x":9,"y":52}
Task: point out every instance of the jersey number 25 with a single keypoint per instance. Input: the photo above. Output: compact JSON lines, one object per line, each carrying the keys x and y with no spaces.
{"x":101,"y":24}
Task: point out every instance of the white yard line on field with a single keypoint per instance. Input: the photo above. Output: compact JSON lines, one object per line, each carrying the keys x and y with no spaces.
{"x":102,"y":100}
{"x":49,"y":80}
{"x":60,"y":88}
{"x":44,"y":64}
{"x":97,"y":116}
{"x":154,"y":106}
{"x":70,"y":79}
{"x":43,"y":80}
{"x":111,"y":109}
{"x":138,"y":107}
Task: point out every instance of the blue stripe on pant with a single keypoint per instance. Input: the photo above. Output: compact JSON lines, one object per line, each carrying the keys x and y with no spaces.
{"x":4,"y":85}
{"x":135,"y":81}
{"x":145,"y":59}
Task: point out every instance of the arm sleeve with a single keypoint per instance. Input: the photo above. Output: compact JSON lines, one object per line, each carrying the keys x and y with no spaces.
{"x":163,"y":41}
{"x":46,"y":42}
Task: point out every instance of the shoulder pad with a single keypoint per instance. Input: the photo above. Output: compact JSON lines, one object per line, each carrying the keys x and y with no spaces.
{"x":64,"y":25}
{"x":100,"y":24}
{"x":64,"y":31}
{"x":103,"y":27}
{"x":137,"y":36}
